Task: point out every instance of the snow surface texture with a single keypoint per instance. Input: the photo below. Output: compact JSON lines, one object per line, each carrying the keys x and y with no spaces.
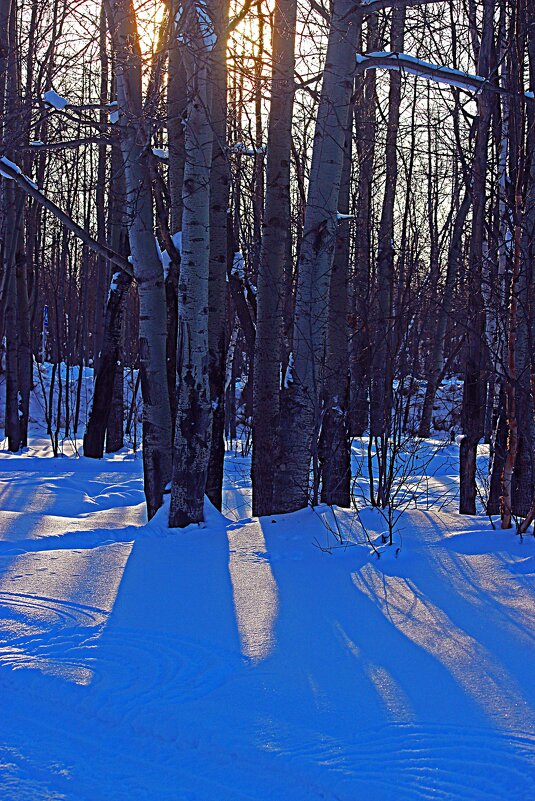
{"x":241,"y":661}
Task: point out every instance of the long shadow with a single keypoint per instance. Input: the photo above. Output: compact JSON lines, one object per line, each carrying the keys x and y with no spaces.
{"x":473,"y":632}
{"x":498,"y":599}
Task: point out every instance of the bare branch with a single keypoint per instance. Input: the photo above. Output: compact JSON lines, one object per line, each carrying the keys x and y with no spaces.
{"x":371,"y":6}
{"x":69,"y":143}
{"x":10,"y":172}
{"x":235,"y":21}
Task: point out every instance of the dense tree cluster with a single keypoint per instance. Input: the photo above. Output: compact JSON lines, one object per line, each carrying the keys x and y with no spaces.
{"x":286,"y":216}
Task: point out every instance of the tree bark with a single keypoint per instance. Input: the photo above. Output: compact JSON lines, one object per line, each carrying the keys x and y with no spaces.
{"x":148,"y":269}
{"x":217,"y":283}
{"x":176,"y":107}
{"x":365,"y":125}
{"x":107,"y":371}
{"x":381,"y":369}
{"x":334,"y":450}
{"x":194,"y":412}
{"x":273,"y":252}
{"x":474,"y":389}
{"x":300,"y":412}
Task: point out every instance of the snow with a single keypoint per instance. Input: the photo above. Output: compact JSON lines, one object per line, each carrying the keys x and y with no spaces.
{"x":15,"y":168}
{"x":160,"y":153}
{"x":177,"y":240}
{"x":289,"y":377}
{"x":51,"y":98}
{"x":114,"y":284}
{"x":241,"y":149}
{"x":425,"y":69}
{"x":415,"y":66}
{"x":11,"y":165}
{"x":257,"y":659}
{"x":238,"y":265}
{"x":164,"y":256}
{"x":113,"y":112}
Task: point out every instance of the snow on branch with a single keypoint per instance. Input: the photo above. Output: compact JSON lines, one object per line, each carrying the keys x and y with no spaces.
{"x":371,"y":6}
{"x":160,"y":153}
{"x":38,"y":144}
{"x":8,"y":169}
{"x":54,"y":100}
{"x":431,"y":72}
{"x":113,"y":111}
{"x":164,"y":256}
{"x":241,"y":149}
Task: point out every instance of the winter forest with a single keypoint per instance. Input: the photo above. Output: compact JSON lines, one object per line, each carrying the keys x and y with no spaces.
{"x":267,"y":385}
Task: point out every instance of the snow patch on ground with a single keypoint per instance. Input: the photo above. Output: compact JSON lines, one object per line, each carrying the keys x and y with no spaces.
{"x":249,"y":659}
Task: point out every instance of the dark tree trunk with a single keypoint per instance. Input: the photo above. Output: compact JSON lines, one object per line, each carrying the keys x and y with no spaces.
{"x":474,"y":390}
{"x":499,"y":449}
{"x":104,"y":392}
{"x":217,"y":283}
{"x":148,"y":270}
{"x":12,"y":424}
{"x":438,"y":346}
{"x":273,"y":254}
{"x":115,"y":426}
{"x":365,"y":124}
{"x":105,"y":421}
{"x":334,"y":448}
{"x":381,"y":369}
{"x":24,"y":359}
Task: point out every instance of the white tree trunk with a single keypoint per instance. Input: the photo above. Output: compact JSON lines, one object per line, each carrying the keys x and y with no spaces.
{"x":148,"y":270}
{"x":194,"y":412}
{"x":300,"y":413}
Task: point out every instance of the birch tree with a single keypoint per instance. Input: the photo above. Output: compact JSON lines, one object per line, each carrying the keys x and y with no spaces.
{"x":196,"y":36}
{"x":300,"y":414}
{"x":148,"y":269}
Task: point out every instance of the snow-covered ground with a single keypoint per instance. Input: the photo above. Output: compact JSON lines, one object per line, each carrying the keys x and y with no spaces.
{"x":253,"y":659}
